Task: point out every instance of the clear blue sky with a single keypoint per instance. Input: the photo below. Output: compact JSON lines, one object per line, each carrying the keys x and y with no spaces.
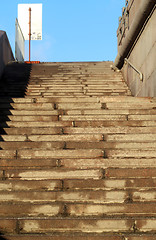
{"x":73,"y":30}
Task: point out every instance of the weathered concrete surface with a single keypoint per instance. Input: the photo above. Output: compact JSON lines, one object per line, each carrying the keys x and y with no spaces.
{"x":142,"y":55}
{"x":6,"y":54}
{"x":78,"y":167}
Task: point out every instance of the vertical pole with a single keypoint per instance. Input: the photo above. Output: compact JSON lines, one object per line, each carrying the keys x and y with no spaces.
{"x":29,"y":32}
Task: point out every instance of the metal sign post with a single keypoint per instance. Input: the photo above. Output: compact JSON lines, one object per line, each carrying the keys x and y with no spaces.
{"x":29,"y":33}
{"x":30,"y":20}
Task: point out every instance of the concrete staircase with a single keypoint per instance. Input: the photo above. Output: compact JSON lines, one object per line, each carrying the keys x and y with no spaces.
{"x":78,"y":155}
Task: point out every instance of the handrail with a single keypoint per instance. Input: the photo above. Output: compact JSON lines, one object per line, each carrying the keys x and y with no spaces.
{"x":141,"y":74}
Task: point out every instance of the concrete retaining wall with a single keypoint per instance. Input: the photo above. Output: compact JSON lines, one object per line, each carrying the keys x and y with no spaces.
{"x":142,"y":55}
{"x":6,"y":54}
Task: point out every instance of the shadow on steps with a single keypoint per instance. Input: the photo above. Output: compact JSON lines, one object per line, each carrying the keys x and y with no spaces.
{"x":2,"y":237}
{"x":13,"y":84}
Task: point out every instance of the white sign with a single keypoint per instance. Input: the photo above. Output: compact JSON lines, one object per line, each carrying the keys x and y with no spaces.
{"x":36,"y":20}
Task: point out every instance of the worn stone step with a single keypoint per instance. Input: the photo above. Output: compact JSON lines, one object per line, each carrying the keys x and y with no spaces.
{"x":33,"y":130}
{"x":143,"y":117}
{"x":53,"y":174}
{"x":130,"y":153}
{"x":84,"y":93}
{"x":67,"y":236}
{"x":15,"y":100}
{"x":126,"y":99}
{"x":67,"y":106}
{"x":111,"y":184}
{"x":43,"y":154}
{"x":87,"y":196}
{"x":131,"y":137}
{"x":49,"y":100}
{"x":31,"y":210}
{"x":54,"y":85}
{"x":19,"y":143}
{"x":107,"y":89}
{"x":88,"y":163}
{"x":130,"y":105}
{"x":110,"y":130}
{"x":10,"y":154}
{"x":129,"y":173}
{"x":135,"y":184}
{"x":81,"y":210}
{"x":110,"y":112}
{"x":31,"y":185}
{"x":74,"y":82}
{"x":105,"y":99}
{"x":56,"y":94}
{"x":30,"y":112}
{"x":34,"y":118}
{"x":65,"y":87}
{"x":79,"y":225}
{"x":96,"y":123}
{"x":112,"y":117}
{"x":42,"y":136}
{"x":52,"y":138}
{"x":107,"y":162}
{"x":61,"y":90}
{"x":37,"y":124}
{"x":72,"y":225}
{"x":127,"y":209}
{"x":28,"y":106}
{"x":110,"y":145}
{"x":13,"y":163}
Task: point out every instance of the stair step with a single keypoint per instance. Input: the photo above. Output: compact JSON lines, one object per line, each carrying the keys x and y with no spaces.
{"x":63,"y":236}
{"x":45,"y":142}
{"x":81,"y":225}
{"x":112,"y":145}
{"x":130,"y":153}
{"x":122,"y":173}
{"x":129,"y":112}
{"x":110,"y":112}
{"x":110,"y":130}
{"x":20,"y":143}
{"x":54,"y":174}
{"x":130,"y":105}
{"x":143,"y":117}
{"x":31,"y":185}
{"x":74,"y":163}
{"x":28,"y":106}
{"x":135,"y":184}
{"x":108,"y":162}
{"x":44,"y":154}
{"x":131,"y":137}
{"x":102,"y":123}
{"x":68,"y":197}
{"x":37,"y":124}
{"x":85,"y":210}
{"x":30,"y":112}
{"x":39,"y":118}
{"x":18,"y":163}
{"x":113,"y":117}
{"x":33,"y":130}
